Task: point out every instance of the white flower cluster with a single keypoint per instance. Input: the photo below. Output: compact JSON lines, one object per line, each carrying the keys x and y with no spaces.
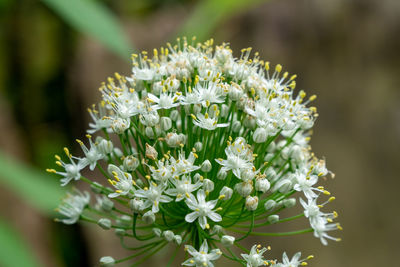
{"x":199,"y":148}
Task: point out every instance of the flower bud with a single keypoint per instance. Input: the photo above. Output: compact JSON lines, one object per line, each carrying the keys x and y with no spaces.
{"x":151,"y":153}
{"x":149,"y":217}
{"x":106,"y":204}
{"x":178,"y":239}
{"x":149,"y":132}
{"x":260,"y":135}
{"x":247,"y":174}
{"x":173,"y":140}
{"x":105,"y":147}
{"x":157,"y":231}
{"x":174,"y":115}
{"x":206,"y":166}
{"x":150,"y":119}
{"x":244,"y":188}
{"x":273,"y":219}
{"x":104,"y":223}
{"x":136,"y":205}
{"x":270,"y":174}
{"x":236,"y":126}
{"x":198,"y":146}
{"x":107,"y":261}
{"x":165,"y":123}
{"x":226,"y":192}
{"x":117,"y":153}
{"x":227,"y":240}
{"x":283,"y":186}
{"x":130,"y":163}
{"x":217,"y":229}
{"x":224,"y":111}
{"x":271,"y":147}
{"x":249,"y":122}
{"x":251,"y":203}
{"x":262,"y":185}
{"x":197,"y":177}
{"x":168,"y":235}
{"x":270,"y":204}
{"x":120,"y":232}
{"x":221,"y":175}
{"x":289,"y":203}
{"x":208,"y":185}
{"x":120,"y":125}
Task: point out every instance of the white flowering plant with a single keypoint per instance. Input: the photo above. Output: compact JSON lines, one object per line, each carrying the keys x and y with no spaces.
{"x":199,"y":149}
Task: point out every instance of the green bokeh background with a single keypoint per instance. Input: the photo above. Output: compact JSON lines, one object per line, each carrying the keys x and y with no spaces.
{"x":55,"y":53}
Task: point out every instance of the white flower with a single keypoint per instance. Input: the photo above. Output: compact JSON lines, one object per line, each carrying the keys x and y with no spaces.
{"x":153,"y":197}
{"x":304,"y":183}
{"x":72,"y":170}
{"x":255,"y":258}
{"x":182,"y":165}
{"x":239,"y":157}
{"x":201,"y":258}
{"x":202,"y":209}
{"x":100,"y":119}
{"x":183,"y":188}
{"x":73,"y":206}
{"x":321,"y":227}
{"x":92,"y":155}
{"x":165,"y":101}
{"x":294,"y":262}
{"x":206,"y":122}
{"x":123,"y":181}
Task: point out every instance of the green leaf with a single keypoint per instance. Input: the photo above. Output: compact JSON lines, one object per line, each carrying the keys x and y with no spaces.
{"x":35,"y":187}
{"x":211,"y":13}
{"x":92,"y":18}
{"x":14,"y":252}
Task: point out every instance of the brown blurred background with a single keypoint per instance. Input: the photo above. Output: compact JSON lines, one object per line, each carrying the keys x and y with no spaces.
{"x":346,"y":52}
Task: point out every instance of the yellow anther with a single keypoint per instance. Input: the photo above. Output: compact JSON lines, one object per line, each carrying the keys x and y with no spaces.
{"x":312,"y":98}
{"x":219,"y":209}
{"x":51,"y":171}
{"x":326,"y":192}
{"x":207,"y":103}
{"x":221,"y":197}
{"x":187,"y":195}
{"x":118,"y":191}
{"x":304,"y":263}
{"x":335,"y":214}
{"x":207,"y":226}
{"x":206,"y":116}
{"x":59,"y":163}
{"x":278,"y":68}
{"x":148,"y":177}
{"x":193,"y":116}
{"x":66,"y":151}
{"x":133,"y":182}
{"x":253,"y":91}
{"x":267,"y":65}
{"x":57,"y":157}
{"x":310,"y":257}
{"x":195,"y":155}
{"x":331,"y":199}
{"x":293,"y":77}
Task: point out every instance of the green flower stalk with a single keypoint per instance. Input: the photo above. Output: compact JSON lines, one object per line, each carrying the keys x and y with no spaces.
{"x":199,"y":150}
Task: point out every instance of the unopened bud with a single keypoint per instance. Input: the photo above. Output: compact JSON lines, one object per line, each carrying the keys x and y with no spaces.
{"x":107,"y":261}
{"x":251,"y":203}
{"x":273,"y":219}
{"x":104,"y":223}
{"x":227,"y":240}
{"x":206,"y":166}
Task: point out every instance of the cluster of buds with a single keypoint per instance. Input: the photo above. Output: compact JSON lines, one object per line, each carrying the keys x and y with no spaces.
{"x":198,"y":150}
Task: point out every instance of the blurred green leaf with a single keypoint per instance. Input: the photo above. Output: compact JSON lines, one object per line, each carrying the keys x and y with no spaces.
{"x":14,"y":252}
{"x":92,"y":18}
{"x":211,"y":13}
{"x":33,"y":186}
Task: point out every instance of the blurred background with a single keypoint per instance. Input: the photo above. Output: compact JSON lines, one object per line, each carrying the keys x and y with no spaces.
{"x":55,"y":53}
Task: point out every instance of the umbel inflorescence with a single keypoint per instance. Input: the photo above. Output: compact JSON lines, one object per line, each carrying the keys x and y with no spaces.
{"x":199,"y":149}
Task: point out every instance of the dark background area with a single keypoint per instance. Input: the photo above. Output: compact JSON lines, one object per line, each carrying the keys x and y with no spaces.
{"x":346,"y":52}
